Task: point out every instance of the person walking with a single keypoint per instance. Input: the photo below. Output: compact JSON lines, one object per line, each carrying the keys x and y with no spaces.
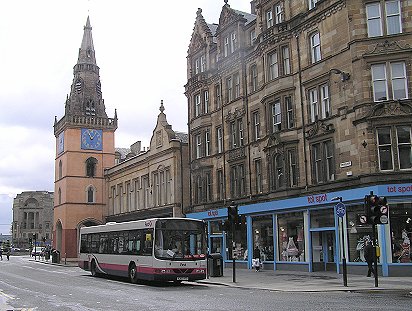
{"x":369,"y":252}
{"x":256,"y":259}
{"x":1,"y":253}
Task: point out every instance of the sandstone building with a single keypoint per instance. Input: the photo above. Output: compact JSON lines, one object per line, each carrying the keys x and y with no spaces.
{"x":291,"y":105}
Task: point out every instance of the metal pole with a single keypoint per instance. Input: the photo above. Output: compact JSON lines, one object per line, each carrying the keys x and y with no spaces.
{"x":375,"y":260}
{"x":233,"y":260}
{"x":345,"y":273}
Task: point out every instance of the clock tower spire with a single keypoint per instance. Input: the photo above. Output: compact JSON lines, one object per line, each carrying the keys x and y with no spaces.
{"x":84,"y":148}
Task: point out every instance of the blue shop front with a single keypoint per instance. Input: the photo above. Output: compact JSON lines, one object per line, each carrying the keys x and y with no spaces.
{"x":305,"y":233}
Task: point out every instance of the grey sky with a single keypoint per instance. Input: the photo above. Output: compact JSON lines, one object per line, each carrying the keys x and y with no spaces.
{"x":141,"y":49}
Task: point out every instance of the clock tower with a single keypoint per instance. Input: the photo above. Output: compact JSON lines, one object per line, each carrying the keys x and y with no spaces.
{"x":84,"y":148}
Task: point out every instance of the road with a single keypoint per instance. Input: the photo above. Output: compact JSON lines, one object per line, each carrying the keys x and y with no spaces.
{"x":28,"y":285}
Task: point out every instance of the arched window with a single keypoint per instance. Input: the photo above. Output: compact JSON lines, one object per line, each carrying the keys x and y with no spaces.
{"x":60,"y":169}
{"x":60,"y":196}
{"x":90,"y":194}
{"x":91,"y":167}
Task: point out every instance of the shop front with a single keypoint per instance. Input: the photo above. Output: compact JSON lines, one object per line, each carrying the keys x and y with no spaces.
{"x":305,"y":233}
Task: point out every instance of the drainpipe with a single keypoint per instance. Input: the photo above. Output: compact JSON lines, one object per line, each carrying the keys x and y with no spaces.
{"x":302,"y":114}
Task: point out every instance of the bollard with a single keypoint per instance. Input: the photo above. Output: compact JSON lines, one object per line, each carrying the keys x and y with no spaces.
{"x":65,"y":257}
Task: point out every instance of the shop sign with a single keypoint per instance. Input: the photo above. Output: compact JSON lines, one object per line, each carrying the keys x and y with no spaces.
{"x":313,"y":199}
{"x":213,"y":213}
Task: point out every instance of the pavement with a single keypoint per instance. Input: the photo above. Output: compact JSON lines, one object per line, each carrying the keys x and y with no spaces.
{"x":297,"y":281}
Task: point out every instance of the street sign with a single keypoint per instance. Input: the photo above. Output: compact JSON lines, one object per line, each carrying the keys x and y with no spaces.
{"x":340,"y":209}
{"x":363,"y":219}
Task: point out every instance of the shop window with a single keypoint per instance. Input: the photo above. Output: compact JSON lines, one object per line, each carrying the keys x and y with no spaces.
{"x":357,"y":233}
{"x":240,"y":251}
{"x":262,"y":228}
{"x":401,"y":232}
{"x":216,"y":227}
{"x":291,"y":245}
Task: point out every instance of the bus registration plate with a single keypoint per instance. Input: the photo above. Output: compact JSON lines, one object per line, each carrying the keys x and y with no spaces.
{"x":182,"y":278}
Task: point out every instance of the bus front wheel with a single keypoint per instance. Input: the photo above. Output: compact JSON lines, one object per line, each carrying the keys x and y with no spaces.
{"x":133,"y":273}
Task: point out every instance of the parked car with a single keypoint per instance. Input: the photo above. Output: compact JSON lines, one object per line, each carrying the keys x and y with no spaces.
{"x":37,"y":251}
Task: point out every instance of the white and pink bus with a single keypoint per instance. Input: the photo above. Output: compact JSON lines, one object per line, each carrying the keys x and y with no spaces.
{"x":158,"y":249}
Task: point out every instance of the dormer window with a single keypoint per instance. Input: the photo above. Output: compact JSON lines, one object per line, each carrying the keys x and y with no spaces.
{"x":233,"y":42}
{"x":226,"y":48}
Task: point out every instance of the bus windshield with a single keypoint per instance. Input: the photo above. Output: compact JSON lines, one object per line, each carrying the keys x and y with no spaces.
{"x":177,"y":239}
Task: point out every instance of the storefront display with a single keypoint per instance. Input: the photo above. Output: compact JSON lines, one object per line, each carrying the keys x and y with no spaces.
{"x":401,"y":232}
{"x":291,"y":237}
{"x":240,"y":252}
{"x":262,"y":228}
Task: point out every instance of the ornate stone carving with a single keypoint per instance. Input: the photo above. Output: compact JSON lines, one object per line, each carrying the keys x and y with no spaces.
{"x":387,"y":47}
{"x":231,"y":116}
{"x":318,"y":128}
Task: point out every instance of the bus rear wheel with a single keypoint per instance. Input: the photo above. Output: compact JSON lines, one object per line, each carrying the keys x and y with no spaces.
{"x":133,"y":273}
{"x":93,"y":269}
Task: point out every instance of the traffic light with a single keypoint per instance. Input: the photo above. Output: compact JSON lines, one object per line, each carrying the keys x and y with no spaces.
{"x":232,"y":215}
{"x":376,"y":209}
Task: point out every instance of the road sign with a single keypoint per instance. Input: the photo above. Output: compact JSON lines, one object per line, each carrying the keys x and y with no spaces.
{"x":363,"y":219}
{"x":340,"y":209}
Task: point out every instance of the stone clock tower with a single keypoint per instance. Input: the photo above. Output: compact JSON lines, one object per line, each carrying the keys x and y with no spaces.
{"x":84,"y":148}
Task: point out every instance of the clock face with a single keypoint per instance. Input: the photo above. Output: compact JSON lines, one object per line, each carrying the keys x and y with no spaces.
{"x":92,"y":139}
{"x":60,"y":143}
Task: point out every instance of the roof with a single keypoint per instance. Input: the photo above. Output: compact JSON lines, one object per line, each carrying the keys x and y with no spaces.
{"x":249,"y":17}
{"x":182,"y":137}
{"x":123,"y":152}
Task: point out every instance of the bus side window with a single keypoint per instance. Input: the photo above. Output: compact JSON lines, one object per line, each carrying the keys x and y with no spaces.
{"x":147,"y":238}
{"x":83,"y":244}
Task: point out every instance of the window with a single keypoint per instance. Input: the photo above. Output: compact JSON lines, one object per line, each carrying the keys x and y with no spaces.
{"x":276,"y":117}
{"x":256,"y":125}
{"x":400,"y":146}
{"x":220,"y":183}
{"x":315,"y":47}
{"x":146,"y":187}
{"x":233,"y":42}
{"x":293,"y":168}
{"x":156,"y":189}
{"x":197,"y":105}
{"x":60,"y":196}
{"x":392,"y":18}
{"x":226,"y":47}
{"x":206,"y":101}
{"x":197,"y":66}
{"x":236,"y":79}
{"x":389,"y":78}
{"x":289,"y":112}
{"x":128,"y":197}
{"x":278,"y":13}
{"x":198,"y":144}
{"x":91,"y":167}
{"x":262,"y":230}
{"x":323,"y":162}
{"x":252,"y":36}
{"x":324,"y":101}
{"x":278,"y":171}
{"x":199,"y":189}
{"x":137,"y":189}
{"x":237,"y":181}
{"x":208,"y":187}
{"x":322,"y":111}
{"x":60,"y":169}
{"x":312,"y":4}
{"x":207,"y":143}
{"x":258,"y":176}
{"x":269,"y":19}
{"x":291,"y":245}
{"x":219,"y":139}
{"x":218,"y":99}
{"x":286,"y":60}
{"x":90,"y":194}
{"x":273,"y":65}
{"x":229,"y":93}
{"x":202,"y":63}
{"x":253,"y":78}
{"x":236,"y":133}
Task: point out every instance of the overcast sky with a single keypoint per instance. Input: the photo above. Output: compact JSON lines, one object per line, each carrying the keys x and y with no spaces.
{"x":141,"y":49}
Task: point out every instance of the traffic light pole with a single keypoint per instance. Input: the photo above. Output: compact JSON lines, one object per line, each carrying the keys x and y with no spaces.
{"x":375,"y":258}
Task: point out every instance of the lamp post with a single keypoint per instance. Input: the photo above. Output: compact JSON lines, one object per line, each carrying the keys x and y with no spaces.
{"x":340,"y":212}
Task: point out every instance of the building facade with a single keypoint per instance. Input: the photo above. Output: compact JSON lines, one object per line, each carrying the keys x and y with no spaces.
{"x":291,"y":105}
{"x":150,"y":183}
{"x":32,"y":215}
{"x":84,"y":149}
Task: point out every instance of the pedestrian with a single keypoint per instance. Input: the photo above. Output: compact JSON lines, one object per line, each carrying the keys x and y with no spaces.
{"x":256,"y":259}
{"x":6,"y":249}
{"x":369,"y":253}
{"x":1,"y":253}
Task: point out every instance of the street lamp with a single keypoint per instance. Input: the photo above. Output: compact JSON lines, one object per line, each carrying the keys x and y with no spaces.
{"x":340,"y":212}
{"x":343,"y":75}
